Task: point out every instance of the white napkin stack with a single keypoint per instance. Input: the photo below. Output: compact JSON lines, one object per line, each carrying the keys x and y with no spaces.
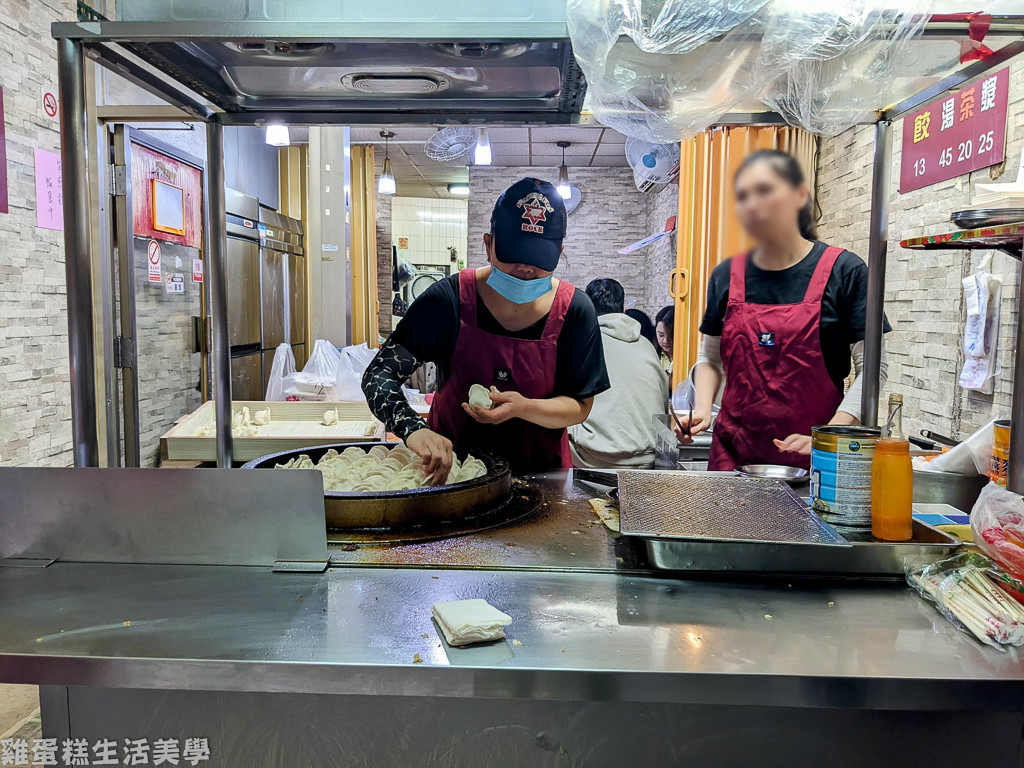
{"x":470,"y":621}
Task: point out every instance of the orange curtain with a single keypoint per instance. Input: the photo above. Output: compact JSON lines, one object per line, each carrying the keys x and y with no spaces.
{"x":707,"y":229}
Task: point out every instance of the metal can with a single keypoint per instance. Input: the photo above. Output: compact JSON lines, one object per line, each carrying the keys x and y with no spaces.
{"x":1000,"y":452}
{"x":841,"y":474}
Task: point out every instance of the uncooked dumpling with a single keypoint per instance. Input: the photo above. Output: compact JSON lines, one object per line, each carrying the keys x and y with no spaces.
{"x":331,"y":417}
{"x":261,"y":418}
{"x":380,"y":469}
{"x":479,"y":395}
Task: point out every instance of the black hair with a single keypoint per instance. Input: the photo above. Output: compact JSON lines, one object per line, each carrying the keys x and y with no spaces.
{"x":667,"y":315}
{"x":646,"y":325}
{"x":788,"y":169}
{"x":607,"y":295}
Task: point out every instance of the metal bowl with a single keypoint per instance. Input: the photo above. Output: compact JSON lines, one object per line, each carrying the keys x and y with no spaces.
{"x":791,"y":475}
{"x":395,"y":510}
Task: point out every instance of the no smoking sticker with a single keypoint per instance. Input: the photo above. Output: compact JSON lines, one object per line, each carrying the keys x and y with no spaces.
{"x":48,"y":100}
{"x":153,"y":258}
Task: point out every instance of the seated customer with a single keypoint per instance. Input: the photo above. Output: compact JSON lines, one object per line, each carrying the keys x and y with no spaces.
{"x":620,"y":429}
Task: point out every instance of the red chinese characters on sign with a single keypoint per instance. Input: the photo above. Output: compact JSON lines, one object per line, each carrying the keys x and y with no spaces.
{"x":957,"y":134}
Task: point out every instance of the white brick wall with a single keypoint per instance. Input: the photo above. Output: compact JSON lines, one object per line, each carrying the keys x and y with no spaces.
{"x":660,"y":258}
{"x":35,"y":412}
{"x":923,"y":294}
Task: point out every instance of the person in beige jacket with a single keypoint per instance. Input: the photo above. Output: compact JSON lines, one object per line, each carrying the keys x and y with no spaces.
{"x":619,"y":433}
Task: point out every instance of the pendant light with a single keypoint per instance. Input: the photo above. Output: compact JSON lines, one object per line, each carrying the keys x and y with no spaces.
{"x":277,"y":135}
{"x":482,"y":151}
{"x":386,"y":185}
{"x":563,"y":174}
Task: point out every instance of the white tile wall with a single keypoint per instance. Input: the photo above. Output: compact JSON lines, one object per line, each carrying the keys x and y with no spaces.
{"x":431,"y":226}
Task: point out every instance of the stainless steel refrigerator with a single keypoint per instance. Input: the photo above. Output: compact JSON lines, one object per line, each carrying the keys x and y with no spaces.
{"x":243,"y":284}
{"x":282,"y":287}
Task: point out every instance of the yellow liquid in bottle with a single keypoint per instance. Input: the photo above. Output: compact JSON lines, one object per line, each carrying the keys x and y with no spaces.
{"x":892,"y":491}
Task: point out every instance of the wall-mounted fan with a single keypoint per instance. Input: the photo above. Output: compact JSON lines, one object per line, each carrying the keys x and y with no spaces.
{"x":450,"y":143}
{"x":652,"y":164}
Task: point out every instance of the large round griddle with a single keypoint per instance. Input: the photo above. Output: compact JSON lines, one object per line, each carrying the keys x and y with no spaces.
{"x":379,"y":511}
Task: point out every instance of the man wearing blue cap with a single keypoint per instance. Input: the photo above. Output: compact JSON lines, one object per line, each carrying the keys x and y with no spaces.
{"x":529,"y":338}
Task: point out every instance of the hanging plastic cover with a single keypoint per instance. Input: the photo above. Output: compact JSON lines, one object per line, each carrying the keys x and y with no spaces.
{"x":661,"y":70}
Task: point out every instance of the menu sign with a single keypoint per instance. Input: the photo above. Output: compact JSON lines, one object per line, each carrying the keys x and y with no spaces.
{"x":957,"y":134}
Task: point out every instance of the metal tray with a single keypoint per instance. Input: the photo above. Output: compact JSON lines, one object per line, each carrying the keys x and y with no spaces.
{"x":398,"y":510}
{"x":713,"y":507}
{"x":986,"y":217}
{"x":865,"y":557}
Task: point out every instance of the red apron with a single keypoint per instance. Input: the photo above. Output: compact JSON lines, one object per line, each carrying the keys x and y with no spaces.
{"x":524,"y":365}
{"x":776,"y":383}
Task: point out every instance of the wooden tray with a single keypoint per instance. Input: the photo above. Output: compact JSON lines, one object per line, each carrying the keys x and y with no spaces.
{"x":292,"y":425}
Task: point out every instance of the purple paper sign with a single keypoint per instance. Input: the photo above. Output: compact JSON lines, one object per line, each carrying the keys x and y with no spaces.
{"x":49,"y":194}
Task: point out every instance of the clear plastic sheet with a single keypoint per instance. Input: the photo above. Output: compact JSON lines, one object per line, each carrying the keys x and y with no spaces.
{"x":661,"y":70}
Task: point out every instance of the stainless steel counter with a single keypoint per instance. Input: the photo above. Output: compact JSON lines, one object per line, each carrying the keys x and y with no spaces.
{"x":583,"y":636}
{"x":604,"y":662}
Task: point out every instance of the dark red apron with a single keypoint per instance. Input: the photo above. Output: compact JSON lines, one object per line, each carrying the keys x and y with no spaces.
{"x":524,"y":365}
{"x":776,"y":383}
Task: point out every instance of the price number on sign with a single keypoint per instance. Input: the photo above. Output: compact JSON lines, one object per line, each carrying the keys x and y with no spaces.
{"x":946,"y":157}
{"x":919,"y":167}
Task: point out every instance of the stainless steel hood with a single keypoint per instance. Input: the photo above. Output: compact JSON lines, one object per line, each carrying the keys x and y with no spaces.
{"x":444,"y":61}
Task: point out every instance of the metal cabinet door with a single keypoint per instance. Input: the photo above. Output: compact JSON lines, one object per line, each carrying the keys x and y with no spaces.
{"x":272,"y":288}
{"x":297,"y":298}
{"x":243,"y":292}
{"x":247,"y":377}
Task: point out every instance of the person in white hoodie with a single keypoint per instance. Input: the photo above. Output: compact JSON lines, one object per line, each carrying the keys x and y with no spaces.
{"x":619,"y":432}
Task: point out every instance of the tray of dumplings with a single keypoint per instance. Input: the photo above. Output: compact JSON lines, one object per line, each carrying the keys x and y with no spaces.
{"x":260,"y":428}
{"x":382,"y":486}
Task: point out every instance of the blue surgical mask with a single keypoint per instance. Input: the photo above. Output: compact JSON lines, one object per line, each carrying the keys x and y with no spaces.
{"x":516,"y":290}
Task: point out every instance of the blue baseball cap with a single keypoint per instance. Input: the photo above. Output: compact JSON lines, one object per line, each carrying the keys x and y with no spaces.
{"x":528,"y":224}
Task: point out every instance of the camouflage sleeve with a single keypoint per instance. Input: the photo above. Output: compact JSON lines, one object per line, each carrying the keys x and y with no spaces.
{"x":382,"y":385}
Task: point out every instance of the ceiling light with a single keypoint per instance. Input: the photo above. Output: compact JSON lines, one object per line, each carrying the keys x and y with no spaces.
{"x":563,"y":174}
{"x":386,"y":185}
{"x":459,"y":190}
{"x":277,"y":135}
{"x":482,"y":152}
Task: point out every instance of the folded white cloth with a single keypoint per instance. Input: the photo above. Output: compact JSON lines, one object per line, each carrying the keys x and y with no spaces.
{"x":470,"y":621}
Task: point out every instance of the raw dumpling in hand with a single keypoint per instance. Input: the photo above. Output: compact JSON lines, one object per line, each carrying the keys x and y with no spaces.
{"x":479,"y":395}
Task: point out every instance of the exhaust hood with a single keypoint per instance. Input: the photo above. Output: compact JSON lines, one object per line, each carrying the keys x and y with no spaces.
{"x":405,"y":60}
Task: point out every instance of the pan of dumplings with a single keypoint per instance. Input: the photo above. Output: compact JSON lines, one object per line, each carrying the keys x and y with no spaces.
{"x":260,"y":428}
{"x":382,"y":486}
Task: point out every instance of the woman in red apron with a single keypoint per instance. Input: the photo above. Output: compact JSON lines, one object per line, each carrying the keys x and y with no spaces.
{"x":782,"y":326}
{"x":510,"y":326}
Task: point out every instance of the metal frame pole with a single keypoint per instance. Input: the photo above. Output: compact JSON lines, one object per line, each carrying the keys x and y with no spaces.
{"x":216,"y":226}
{"x":878,"y":244}
{"x":77,"y":262}
{"x":1015,"y":471}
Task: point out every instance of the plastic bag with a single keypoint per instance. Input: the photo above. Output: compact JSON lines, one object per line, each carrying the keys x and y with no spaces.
{"x":973,"y":455}
{"x":965,"y":591}
{"x":284,"y":365}
{"x":997,"y":522}
{"x":318,"y":377}
{"x":659,"y":70}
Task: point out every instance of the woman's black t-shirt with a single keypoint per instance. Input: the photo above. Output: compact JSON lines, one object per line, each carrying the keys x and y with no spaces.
{"x":843,"y":306}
